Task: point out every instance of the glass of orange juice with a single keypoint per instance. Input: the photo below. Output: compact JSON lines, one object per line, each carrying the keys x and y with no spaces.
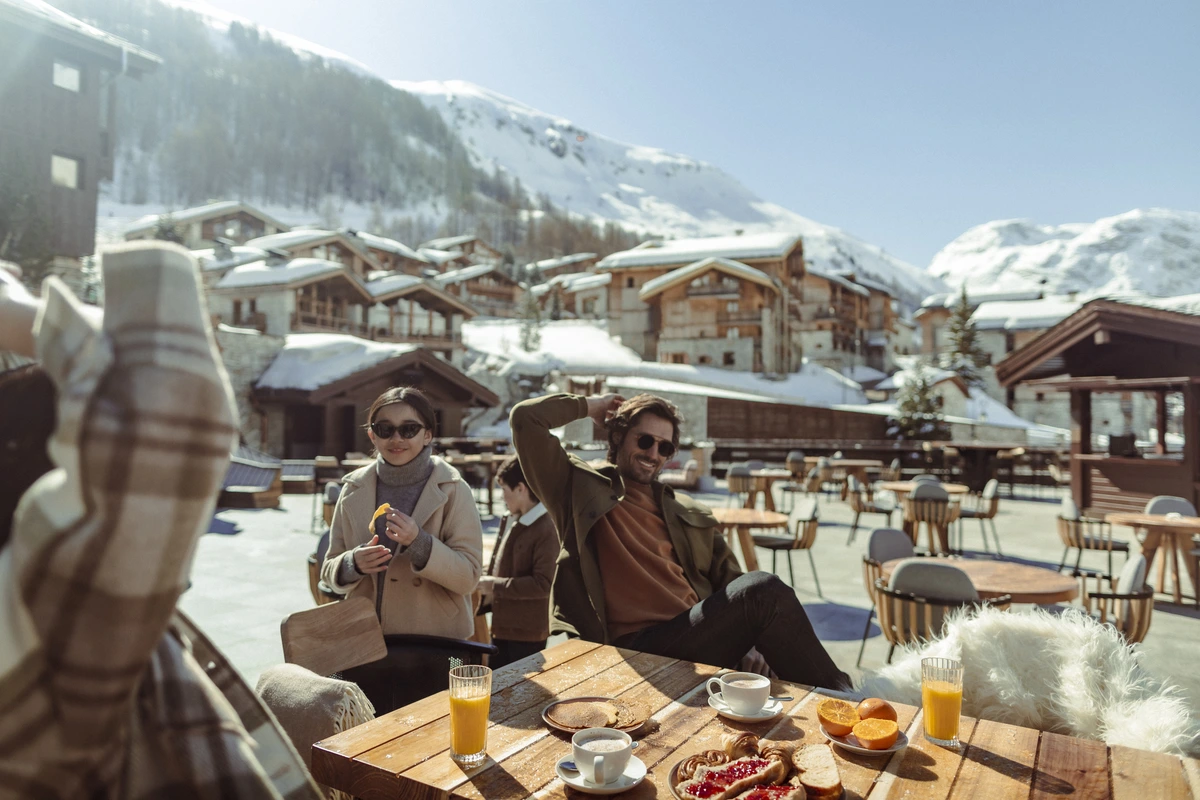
{"x":941,"y":699}
{"x":470,"y":701}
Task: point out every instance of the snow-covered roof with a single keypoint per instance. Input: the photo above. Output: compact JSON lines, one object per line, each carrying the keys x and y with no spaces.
{"x":683,"y":251}
{"x":561,"y":261}
{"x":902,"y":377}
{"x":662,"y":385}
{"x":292,"y":238}
{"x":387,"y":286}
{"x":1014,"y":315}
{"x":238,"y":254}
{"x":311,"y":360}
{"x":1183,"y":304}
{"x":843,"y":282}
{"x":573,"y":282}
{"x":950,"y":299}
{"x":676,"y":276}
{"x":217,"y":209}
{"x":581,"y":347}
{"x":438,"y":257}
{"x":449,"y":242}
{"x":41,"y":16}
{"x":288,"y":273}
{"x":388,"y":245}
{"x":867,"y":282}
{"x":392,"y":282}
{"x":468,"y":273}
{"x":862,"y":374}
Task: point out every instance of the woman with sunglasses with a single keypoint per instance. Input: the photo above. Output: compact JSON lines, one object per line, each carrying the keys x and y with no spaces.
{"x":420,"y":561}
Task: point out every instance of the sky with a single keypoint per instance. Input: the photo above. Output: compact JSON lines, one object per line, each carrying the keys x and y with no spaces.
{"x":902,"y":123}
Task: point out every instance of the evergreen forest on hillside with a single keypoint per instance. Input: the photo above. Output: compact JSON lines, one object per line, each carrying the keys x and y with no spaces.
{"x":242,"y":116}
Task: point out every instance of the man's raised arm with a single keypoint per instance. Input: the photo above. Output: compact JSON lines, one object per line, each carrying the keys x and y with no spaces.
{"x":544,"y":463}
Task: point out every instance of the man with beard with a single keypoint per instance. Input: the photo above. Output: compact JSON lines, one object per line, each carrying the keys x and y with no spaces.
{"x":644,"y":568}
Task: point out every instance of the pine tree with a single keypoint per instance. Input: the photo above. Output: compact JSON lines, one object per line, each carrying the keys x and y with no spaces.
{"x":966,"y":357}
{"x":166,"y":229}
{"x":556,"y":308}
{"x":918,"y":414}
{"x":530,"y":315}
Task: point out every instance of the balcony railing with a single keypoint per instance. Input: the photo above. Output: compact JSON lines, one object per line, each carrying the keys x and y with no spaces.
{"x":709,"y":290}
{"x":256,"y":320}
{"x":308,"y":320}
{"x":435,"y":341}
{"x":740,"y":317}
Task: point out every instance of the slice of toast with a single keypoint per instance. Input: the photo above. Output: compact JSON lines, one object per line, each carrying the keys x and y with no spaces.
{"x":817,"y":771}
{"x":740,"y":774}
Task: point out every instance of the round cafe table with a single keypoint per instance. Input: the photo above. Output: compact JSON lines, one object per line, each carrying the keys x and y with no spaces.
{"x":902,"y":488}
{"x":740,"y":521}
{"x":939,"y":538}
{"x":996,"y":578}
{"x":1177,"y":533}
{"x":763,"y":480}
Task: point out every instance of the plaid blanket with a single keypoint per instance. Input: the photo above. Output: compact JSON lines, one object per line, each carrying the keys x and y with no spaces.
{"x":105,"y":691}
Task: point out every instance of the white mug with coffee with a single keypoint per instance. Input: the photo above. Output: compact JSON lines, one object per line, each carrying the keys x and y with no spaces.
{"x":601,"y":754}
{"x":741,"y":692}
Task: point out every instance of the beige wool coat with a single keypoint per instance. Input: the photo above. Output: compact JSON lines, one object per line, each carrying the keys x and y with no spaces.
{"x":434,"y":601}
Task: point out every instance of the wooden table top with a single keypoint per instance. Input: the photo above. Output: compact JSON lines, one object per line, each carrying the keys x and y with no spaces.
{"x":904,"y":487}
{"x":1139,"y":520}
{"x":750,"y":516}
{"x":995,"y":578}
{"x":777,"y":474}
{"x":404,"y":754}
{"x":845,"y":462}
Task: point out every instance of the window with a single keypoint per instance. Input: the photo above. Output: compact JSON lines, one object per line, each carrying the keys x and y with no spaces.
{"x":728,"y":359}
{"x":1041,"y":396}
{"x":66,"y":75}
{"x":677,"y":358}
{"x":629,"y":283}
{"x":705,"y":359}
{"x":65,"y":172}
{"x":731,"y":306}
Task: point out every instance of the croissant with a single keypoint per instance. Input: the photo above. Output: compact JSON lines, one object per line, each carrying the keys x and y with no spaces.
{"x":740,"y":745}
{"x":708,"y":758}
{"x":778,"y":751}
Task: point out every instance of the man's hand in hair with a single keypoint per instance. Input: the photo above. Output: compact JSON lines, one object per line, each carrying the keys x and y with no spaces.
{"x":603,"y":406}
{"x":18,"y":308}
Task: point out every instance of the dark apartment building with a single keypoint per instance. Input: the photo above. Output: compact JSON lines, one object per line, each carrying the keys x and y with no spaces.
{"x":58,"y":78}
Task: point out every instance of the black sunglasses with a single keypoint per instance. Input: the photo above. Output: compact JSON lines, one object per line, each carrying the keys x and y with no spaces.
{"x":407,"y":430}
{"x":646,"y":442}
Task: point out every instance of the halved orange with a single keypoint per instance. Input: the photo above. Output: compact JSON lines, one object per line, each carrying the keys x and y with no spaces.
{"x":379,"y":512}
{"x":837,"y":716}
{"x":877,"y":734}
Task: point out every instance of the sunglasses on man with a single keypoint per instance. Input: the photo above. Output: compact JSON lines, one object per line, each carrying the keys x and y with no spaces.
{"x":407,"y":430}
{"x":646,"y":442}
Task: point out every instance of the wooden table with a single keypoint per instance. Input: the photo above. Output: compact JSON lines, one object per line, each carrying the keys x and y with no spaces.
{"x":740,"y":521}
{"x":403,"y":755}
{"x":1178,"y":532}
{"x":995,"y":578}
{"x":939,"y":539}
{"x":902,"y":488}
{"x":763,"y":480}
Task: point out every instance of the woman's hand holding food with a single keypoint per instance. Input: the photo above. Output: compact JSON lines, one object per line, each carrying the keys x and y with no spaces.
{"x":401,"y":527}
{"x":372,"y":557}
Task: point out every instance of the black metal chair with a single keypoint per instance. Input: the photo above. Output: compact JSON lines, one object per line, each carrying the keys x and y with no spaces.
{"x":415,"y":667}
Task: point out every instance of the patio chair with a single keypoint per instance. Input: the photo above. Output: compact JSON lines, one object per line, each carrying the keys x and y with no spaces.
{"x":861,"y":502}
{"x":1195,"y":556}
{"x":1127,"y":605}
{"x":884,"y":545}
{"x":984,"y":508}
{"x":326,"y":470}
{"x":797,"y":485}
{"x":332,"y":492}
{"x":929,"y":504}
{"x":925,"y":477}
{"x":1083,"y":533}
{"x":686,"y":478}
{"x":321,"y":591}
{"x":741,"y":484}
{"x":892,"y":472}
{"x":1168,"y":504}
{"x":914,"y":603}
{"x":756,"y":464}
{"x":795,"y":463}
{"x":805,"y":537}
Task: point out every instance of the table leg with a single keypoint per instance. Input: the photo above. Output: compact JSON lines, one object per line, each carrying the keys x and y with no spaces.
{"x":491,"y":486}
{"x":1184,"y":545}
{"x":942,"y":535}
{"x":1174,"y":550}
{"x":768,"y":499}
{"x":913,"y":530}
{"x":747,"y":541}
{"x":1149,"y":551}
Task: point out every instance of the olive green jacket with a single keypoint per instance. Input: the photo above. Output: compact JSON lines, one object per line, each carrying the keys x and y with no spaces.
{"x":577,"y":494}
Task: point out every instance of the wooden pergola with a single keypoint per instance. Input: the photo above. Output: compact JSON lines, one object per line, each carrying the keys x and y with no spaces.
{"x":1111,"y":346}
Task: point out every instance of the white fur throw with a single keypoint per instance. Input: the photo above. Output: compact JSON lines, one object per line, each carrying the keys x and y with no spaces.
{"x":1056,"y":672}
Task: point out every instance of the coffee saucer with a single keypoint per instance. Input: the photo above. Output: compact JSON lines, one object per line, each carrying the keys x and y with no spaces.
{"x":771,"y":710}
{"x":635,"y":773}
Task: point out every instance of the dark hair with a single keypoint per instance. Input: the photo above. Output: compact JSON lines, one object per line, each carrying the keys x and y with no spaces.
{"x":510,"y":473}
{"x":629,"y":413}
{"x":414,"y":398}
{"x":28,"y":414}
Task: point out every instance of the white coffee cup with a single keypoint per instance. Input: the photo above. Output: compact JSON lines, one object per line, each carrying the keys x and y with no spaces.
{"x":601,"y":754}
{"x":741,"y":692}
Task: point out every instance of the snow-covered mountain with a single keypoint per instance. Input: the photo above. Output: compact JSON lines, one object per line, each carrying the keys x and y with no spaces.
{"x":643,"y":188}
{"x":1145,"y":251}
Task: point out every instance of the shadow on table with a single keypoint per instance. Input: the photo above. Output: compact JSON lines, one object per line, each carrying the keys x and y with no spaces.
{"x":493,"y":780}
{"x":834,"y":622}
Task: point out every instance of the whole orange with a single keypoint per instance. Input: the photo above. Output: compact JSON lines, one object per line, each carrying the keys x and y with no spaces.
{"x":874,"y":708}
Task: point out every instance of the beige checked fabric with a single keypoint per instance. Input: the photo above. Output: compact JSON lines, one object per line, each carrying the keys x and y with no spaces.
{"x":105,"y":691}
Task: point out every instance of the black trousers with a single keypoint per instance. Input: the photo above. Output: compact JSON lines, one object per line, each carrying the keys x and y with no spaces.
{"x":509,"y":650}
{"x":755,"y":610}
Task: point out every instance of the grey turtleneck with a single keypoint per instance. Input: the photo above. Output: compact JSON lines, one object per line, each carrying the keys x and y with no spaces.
{"x":399,"y":487}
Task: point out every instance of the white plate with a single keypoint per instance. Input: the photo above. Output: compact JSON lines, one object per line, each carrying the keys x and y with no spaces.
{"x":850,"y":742}
{"x":635,"y":773}
{"x":771,"y":710}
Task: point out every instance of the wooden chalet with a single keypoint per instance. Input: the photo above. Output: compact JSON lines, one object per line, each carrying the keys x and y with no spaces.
{"x":1114,"y":347}
{"x":467,"y":244}
{"x":58,"y":116}
{"x":717,"y":312}
{"x":318,"y":412}
{"x":338,"y":246}
{"x":412,"y":309}
{"x":486,"y":287}
{"x":574,"y":295}
{"x":834,"y":317}
{"x":549,"y":268}
{"x":230,"y":220}
{"x":780,"y":256}
{"x":393,"y":256}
